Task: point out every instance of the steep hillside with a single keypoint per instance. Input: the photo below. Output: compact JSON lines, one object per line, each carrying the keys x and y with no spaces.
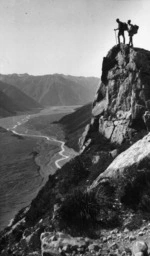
{"x":121,"y":108}
{"x":99,"y":202}
{"x":74,"y":125}
{"x":121,"y":114}
{"x":7,"y":106}
{"x":21,"y":101}
{"x":55,"y":90}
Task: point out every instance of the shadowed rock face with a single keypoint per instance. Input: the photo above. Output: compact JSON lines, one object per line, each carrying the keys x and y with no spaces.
{"x":135,"y":158}
{"x":122,"y":104}
{"x":139,"y":248}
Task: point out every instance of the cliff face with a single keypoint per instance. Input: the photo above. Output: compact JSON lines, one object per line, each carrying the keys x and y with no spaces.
{"x":121,"y":108}
{"x":112,"y":172}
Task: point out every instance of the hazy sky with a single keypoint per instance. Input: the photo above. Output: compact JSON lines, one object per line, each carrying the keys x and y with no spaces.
{"x":65,"y":36}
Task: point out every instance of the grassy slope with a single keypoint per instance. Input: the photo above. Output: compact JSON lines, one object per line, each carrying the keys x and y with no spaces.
{"x":74,"y":125}
{"x":7,"y":106}
{"x":48,"y":123}
{"x":44,"y":125}
{"x":18,"y":99}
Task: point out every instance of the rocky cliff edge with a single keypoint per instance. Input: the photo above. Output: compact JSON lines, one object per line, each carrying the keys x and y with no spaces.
{"x":121,"y":108}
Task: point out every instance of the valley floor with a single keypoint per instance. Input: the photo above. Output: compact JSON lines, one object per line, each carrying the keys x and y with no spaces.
{"x":28,"y":159}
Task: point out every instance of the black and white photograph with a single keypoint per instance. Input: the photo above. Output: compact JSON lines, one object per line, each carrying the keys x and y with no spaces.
{"x":74,"y":128}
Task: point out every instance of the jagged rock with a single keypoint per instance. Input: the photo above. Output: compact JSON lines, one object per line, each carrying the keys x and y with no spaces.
{"x":140,"y":248}
{"x":104,"y":239}
{"x":94,"y":247}
{"x":141,"y":233}
{"x":106,"y":128}
{"x":132,"y":238}
{"x":114,"y":246}
{"x":54,"y":244}
{"x":84,"y":135}
{"x":31,"y":238}
{"x":119,"y":235}
{"x":126,"y":230}
{"x":109,"y":238}
{"x":119,"y":131}
{"x":139,"y":254}
{"x":126,"y":237}
{"x":123,"y":253}
{"x":66,"y":248}
{"x":114,"y":231}
{"x":134,"y":158}
{"x":100,"y":107}
{"x":122,"y":103}
{"x":144,"y":229}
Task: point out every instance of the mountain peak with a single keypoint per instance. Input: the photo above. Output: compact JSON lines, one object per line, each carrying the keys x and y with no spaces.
{"x":122,"y":104}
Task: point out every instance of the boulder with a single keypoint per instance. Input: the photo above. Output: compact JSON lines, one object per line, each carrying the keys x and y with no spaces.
{"x":56,"y":243}
{"x":134,"y":158}
{"x":94,"y":247}
{"x":140,"y":248}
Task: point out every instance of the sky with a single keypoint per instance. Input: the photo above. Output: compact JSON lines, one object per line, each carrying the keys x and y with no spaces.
{"x":70,"y":37}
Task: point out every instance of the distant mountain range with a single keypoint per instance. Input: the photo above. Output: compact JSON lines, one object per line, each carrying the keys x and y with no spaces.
{"x":54,"y":90}
{"x":12,"y":101}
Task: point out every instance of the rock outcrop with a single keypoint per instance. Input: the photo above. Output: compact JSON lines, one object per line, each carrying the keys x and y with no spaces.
{"x":56,"y":243}
{"x":140,"y":248}
{"x":135,"y":158}
{"x":61,"y":244}
{"x":121,"y":108}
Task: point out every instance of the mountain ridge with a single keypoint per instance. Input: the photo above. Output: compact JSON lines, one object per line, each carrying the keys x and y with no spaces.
{"x":55,"y":89}
{"x":13,"y":100}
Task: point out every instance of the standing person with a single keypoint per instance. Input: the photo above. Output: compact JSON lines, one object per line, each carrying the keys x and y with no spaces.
{"x":121,"y":27}
{"x":130,"y":31}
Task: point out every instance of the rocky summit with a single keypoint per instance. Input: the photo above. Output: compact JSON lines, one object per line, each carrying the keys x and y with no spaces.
{"x":122,"y":104}
{"x":99,"y":202}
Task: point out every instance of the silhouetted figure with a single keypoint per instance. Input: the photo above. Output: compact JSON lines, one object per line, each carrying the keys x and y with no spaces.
{"x":130,"y":31}
{"x":121,"y":27}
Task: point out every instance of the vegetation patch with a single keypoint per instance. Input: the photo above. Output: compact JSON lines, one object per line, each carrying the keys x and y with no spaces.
{"x":79,"y":210}
{"x":133,"y":190}
{"x":86,"y":211}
